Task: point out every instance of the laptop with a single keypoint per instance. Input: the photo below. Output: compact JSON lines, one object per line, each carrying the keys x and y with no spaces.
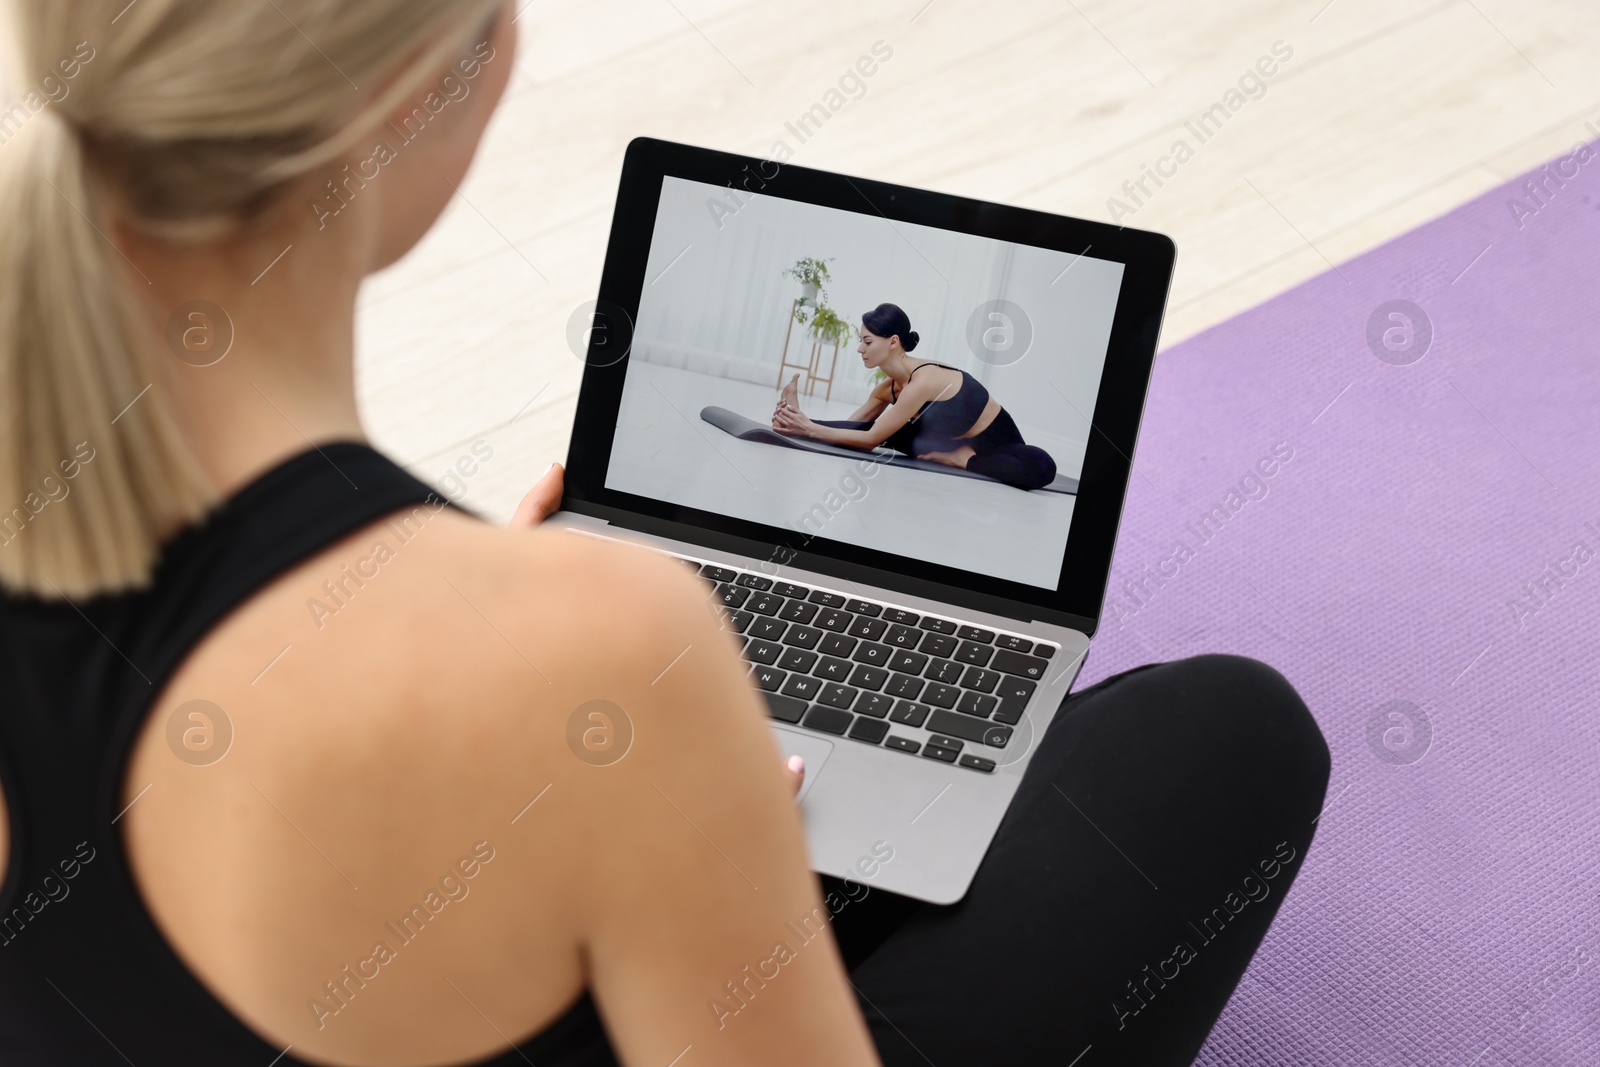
{"x":912,"y":620}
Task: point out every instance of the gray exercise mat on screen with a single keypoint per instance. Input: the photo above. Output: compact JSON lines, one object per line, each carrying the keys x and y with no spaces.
{"x":750,"y":430}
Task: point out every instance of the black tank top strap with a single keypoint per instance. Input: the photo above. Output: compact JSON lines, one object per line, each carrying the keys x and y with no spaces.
{"x":86,"y":977}
{"x":893,"y":392}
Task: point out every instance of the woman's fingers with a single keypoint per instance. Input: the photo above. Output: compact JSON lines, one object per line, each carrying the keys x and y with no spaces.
{"x":543,"y":500}
{"x":794,"y":769}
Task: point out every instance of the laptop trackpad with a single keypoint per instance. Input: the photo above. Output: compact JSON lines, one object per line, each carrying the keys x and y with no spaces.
{"x":814,"y":750}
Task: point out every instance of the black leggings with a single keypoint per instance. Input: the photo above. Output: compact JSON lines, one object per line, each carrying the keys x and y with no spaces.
{"x":1154,"y":837}
{"x":1002,"y":454}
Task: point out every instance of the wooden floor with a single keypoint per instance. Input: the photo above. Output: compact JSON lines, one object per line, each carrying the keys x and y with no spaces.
{"x":1386,"y":113}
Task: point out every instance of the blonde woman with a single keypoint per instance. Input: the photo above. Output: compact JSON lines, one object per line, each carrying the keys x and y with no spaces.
{"x":238,"y":829}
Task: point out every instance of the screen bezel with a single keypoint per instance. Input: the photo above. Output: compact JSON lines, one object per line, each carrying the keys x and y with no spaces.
{"x":1147,"y":258}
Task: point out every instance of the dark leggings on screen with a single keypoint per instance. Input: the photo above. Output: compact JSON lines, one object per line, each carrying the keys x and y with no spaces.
{"x":1155,"y":834}
{"x":1002,"y":454}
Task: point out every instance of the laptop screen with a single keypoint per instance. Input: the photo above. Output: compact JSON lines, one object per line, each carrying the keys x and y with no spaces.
{"x":751,"y":300}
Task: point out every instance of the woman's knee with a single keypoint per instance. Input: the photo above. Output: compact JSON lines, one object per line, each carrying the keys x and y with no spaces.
{"x":1234,"y":715}
{"x":1043,"y":462}
{"x":1249,"y":715}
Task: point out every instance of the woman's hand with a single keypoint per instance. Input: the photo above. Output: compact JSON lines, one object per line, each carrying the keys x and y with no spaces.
{"x":543,"y":500}
{"x":793,"y":421}
{"x":794,"y":769}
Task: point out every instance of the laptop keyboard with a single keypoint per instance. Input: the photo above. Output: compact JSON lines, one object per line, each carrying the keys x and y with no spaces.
{"x":878,"y":674}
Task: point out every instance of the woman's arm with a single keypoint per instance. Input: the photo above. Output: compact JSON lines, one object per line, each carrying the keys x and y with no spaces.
{"x":694,"y":876}
{"x":902,"y":411}
{"x":877,"y":401}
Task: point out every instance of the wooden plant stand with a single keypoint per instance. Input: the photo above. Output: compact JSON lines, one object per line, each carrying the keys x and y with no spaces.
{"x":812,"y":364}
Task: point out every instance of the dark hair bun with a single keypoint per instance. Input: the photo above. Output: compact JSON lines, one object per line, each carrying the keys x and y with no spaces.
{"x":887,"y":320}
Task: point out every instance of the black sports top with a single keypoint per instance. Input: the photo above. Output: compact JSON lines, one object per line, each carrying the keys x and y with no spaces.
{"x":86,"y":977}
{"x":950,"y":418}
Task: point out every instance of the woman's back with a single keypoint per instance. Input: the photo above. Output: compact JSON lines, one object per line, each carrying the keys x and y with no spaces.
{"x":353,"y":706}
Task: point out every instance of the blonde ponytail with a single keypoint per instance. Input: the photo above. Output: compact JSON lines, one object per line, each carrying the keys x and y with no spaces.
{"x":193,"y":113}
{"x":102,"y":492}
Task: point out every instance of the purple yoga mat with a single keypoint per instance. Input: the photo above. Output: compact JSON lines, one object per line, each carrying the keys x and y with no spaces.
{"x":1425,"y":569}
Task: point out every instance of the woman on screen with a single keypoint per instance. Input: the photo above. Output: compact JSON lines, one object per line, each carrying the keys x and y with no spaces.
{"x":940,"y":414}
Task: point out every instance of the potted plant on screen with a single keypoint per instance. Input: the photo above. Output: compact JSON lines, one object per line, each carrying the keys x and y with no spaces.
{"x":812,"y":274}
{"x":828,"y":327}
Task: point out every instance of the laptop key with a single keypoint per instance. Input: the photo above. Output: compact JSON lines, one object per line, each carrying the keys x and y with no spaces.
{"x":904,"y":744}
{"x":875,"y":704}
{"x":1014,"y":688}
{"x":802,"y":636}
{"x":976,"y":654}
{"x":764,"y":604}
{"x":908,"y":713}
{"x":944,"y":670}
{"x":872,"y":655}
{"x":978,"y":704}
{"x":946,"y":755}
{"x":862,"y":607}
{"x":938,"y":644}
{"x":904,"y":685}
{"x":764,"y":652}
{"x":940,"y":741}
{"x":718,"y":574}
{"x":969,"y":729}
{"x":871,"y":629}
{"x":828,"y":720}
{"x":732,"y":596}
{"x":1043,"y":651}
{"x":835,"y":620}
{"x":970,"y":633}
{"x":938,"y":626}
{"x":789,"y":589}
{"x":798,"y":611}
{"x":784,"y":709}
{"x":940,"y":695}
{"x":797,"y":659}
{"x":981,"y":680}
{"x":771,"y":629}
{"x":754,"y":581}
{"x":1015,"y":644}
{"x":905,"y":618}
{"x":738,"y":621}
{"x":869,"y":730}
{"x":977,"y":763}
{"x":902,"y":637}
{"x":838,"y":696}
{"x":802,"y":688}
{"x":827,"y":600}
{"x":768,"y":678}
{"x":833,"y":670}
{"x":865,"y":677}
{"x":1016,"y":663}
{"x":837,"y":645}
{"x":907,"y":662}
